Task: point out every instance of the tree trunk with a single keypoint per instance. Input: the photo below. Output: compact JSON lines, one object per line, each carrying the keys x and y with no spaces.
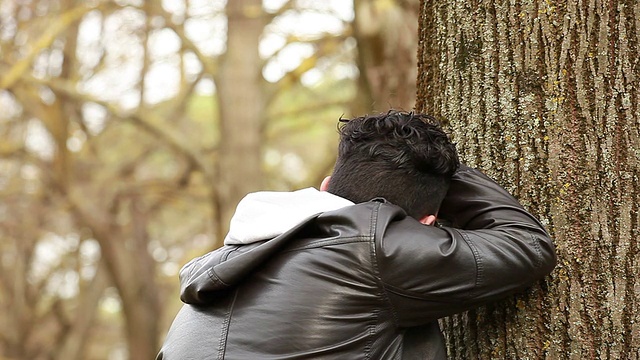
{"x":242,"y":109}
{"x":544,"y":96}
{"x":124,"y":251}
{"x":74,"y":342}
{"x":386,"y":32}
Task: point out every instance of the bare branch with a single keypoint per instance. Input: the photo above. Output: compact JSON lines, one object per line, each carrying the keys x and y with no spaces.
{"x":209,"y":64}
{"x":61,"y":23}
{"x":325,"y":46}
{"x":312,"y":107}
{"x":180,"y":101}
{"x":143,"y":119}
{"x":8,"y":150}
{"x":316,"y":40}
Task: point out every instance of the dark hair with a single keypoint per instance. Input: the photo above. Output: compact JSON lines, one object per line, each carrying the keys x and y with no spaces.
{"x":403,"y":157}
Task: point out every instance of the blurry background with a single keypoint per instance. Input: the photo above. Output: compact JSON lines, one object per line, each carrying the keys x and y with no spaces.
{"x":131,"y":129}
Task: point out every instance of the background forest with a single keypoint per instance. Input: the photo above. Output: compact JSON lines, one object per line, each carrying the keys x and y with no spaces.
{"x":130,"y":129}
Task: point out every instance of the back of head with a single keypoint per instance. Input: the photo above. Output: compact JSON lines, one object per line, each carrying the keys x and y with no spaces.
{"x":403,"y":157}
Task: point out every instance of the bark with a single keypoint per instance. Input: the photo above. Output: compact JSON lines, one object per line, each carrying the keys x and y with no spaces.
{"x":544,"y":96}
{"x":242,"y":110}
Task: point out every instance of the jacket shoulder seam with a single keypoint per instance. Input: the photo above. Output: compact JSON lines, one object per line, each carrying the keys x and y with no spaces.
{"x":228,"y":253}
{"x":224,"y":334}
{"x":328,"y":242}
{"x":374,"y":261}
{"x":215,"y":278}
{"x":478,"y":261}
{"x":538,"y":249}
{"x":374,"y":264}
{"x":411,"y":295}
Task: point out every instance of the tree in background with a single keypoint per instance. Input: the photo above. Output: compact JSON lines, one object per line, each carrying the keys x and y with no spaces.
{"x":111,"y":148}
{"x":131,"y":129}
{"x":242,"y":104}
{"x":544,"y":96}
{"x":387,"y":35}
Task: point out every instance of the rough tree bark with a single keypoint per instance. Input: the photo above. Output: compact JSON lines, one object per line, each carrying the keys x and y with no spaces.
{"x":242,"y":110}
{"x":545,"y":96}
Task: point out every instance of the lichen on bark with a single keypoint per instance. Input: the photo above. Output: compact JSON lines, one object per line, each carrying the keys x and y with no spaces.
{"x":544,"y":96}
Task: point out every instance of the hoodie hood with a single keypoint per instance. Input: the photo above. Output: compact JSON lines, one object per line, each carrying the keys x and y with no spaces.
{"x":273,"y":216}
{"x":266,"y":214}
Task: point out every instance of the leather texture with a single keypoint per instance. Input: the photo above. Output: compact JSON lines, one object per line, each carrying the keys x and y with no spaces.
{"x":362,"y":282}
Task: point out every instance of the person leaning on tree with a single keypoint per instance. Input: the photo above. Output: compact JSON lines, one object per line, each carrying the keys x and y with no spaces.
{"x":345,"y":272}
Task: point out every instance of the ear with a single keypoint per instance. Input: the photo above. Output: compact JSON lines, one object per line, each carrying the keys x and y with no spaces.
{"x":428,"y":219}
{"x":325,"y":183}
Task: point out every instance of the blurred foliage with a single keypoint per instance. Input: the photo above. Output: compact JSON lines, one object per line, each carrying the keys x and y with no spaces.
{"x":110,"y":135}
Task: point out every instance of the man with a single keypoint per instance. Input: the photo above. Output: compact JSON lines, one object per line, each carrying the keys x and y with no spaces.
{"x":342,"y":273}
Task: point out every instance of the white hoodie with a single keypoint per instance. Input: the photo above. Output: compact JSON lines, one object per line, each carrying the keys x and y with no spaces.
{"x":266,"y":214}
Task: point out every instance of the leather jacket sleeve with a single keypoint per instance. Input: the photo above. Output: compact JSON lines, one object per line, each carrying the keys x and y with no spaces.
{"x":494,"y":248}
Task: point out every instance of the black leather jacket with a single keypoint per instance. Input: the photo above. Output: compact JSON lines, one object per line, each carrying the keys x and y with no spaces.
{"x":346,"y":284}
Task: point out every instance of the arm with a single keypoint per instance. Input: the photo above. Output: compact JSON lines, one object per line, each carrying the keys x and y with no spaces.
{"x":495,"y":249}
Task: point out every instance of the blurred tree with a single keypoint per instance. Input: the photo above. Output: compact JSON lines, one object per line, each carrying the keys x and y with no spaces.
{"x":74,"y":146}
{"x":130,"y":129}
{"x":242,"y":109}
{"x":544,"y":96}
{"x":387,"y":35}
